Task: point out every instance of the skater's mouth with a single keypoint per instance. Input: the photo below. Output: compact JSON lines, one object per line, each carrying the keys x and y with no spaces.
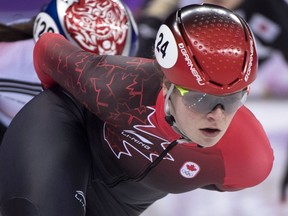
{"x":210,"y":132}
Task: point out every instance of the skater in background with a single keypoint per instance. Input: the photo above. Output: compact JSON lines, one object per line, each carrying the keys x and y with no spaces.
{"x":106,"y":27}
{"x":18,"y":79}
{"x":112,"y":134}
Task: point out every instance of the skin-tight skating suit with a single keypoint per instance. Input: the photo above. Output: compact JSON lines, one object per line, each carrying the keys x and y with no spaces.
{"x":113,"y":153}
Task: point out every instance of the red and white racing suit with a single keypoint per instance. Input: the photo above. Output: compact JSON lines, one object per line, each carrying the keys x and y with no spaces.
{"x":110,"y":151}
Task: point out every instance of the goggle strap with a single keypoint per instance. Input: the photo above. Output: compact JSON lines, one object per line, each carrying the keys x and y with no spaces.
{"x":166,"y":105}
{"x":169,"y":118}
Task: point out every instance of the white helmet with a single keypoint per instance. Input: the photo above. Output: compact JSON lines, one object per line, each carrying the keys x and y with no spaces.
{"x":99,"y":26}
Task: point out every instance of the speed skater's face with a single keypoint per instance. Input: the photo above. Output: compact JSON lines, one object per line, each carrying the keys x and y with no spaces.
{"x":205,"y":128}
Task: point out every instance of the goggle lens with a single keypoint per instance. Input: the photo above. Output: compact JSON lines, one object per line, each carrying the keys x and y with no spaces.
{"x":205,"y":103}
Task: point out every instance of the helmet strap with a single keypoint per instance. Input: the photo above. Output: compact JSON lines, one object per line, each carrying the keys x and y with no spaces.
{"x":169,"y":118}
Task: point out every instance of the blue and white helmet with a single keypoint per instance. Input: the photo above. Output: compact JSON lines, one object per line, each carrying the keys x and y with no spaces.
{"x":105,"y":27}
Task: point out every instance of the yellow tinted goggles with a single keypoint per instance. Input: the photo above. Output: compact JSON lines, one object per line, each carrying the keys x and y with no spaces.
{"x":205,"y":103}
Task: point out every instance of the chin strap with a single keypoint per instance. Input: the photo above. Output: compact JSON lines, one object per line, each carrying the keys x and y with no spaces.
{"x":169,"y":118}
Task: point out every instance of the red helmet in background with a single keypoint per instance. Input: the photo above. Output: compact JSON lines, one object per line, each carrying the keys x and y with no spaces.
{"x":98,"y":26}
{"x":207,"y":48}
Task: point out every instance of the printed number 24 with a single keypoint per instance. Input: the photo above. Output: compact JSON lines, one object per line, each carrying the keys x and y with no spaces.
{"x":162,"y":46}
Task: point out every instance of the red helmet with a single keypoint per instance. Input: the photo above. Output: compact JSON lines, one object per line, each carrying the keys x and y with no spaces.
{"x":98,"y":26}
{"x":207,"y":48}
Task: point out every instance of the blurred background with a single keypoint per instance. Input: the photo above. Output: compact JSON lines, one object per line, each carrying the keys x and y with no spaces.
{"x":268,"y":100}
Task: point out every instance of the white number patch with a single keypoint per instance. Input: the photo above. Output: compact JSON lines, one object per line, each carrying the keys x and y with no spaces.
{"x":166,"y":50}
